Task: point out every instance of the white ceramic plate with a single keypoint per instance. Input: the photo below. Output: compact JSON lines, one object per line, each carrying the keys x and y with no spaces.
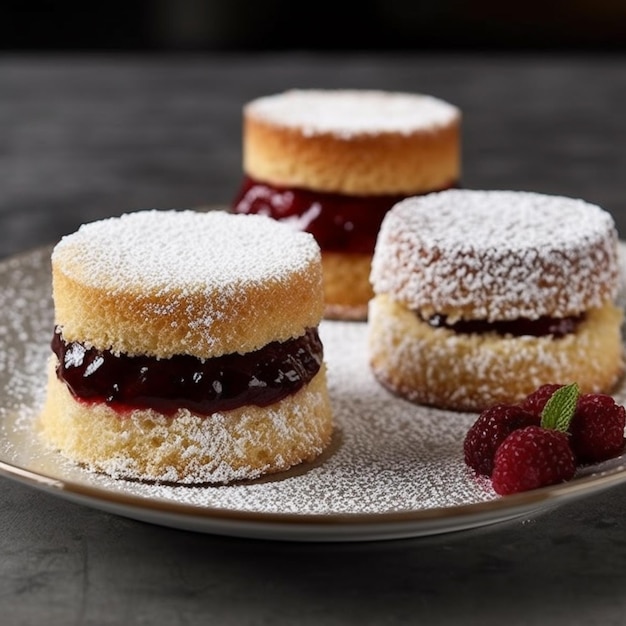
{"x":394,"y":469}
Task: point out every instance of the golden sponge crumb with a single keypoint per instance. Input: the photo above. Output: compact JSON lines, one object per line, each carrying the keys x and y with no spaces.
{"x":347,"y":289}
{"x":187,"y":448}
{"x":376,"y":163}
{"x":468,"y":372}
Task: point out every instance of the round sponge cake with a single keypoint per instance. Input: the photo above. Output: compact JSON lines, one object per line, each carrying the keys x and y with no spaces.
{"x":360,"y":142}
{"x":186,"y":347}
{"x":332,"y":162}
{"x":482,"y":296}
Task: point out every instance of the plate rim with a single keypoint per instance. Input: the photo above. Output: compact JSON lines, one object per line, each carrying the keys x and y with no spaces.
{"x":327,"y":527}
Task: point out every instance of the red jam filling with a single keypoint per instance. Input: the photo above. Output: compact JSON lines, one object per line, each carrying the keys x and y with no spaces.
{"x":339,"y":223}
{"x":124,"y":382}
{"x":542,"y":327}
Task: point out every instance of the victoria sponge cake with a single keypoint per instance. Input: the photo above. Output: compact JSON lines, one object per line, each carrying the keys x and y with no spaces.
{"x":482,"y":296}
{"x":332,"y":162}
{"x":186,"y":347}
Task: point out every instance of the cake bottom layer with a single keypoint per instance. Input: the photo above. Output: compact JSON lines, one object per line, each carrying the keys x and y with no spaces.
{"x":347,"y":288}
{"x":468,"y":372}
{"x":239,"y":444}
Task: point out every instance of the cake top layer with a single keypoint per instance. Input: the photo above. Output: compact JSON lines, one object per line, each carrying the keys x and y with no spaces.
{"x":348,"y":113}
{"x":166,"y":282}
{"x":183,"y":249}
{"x":497,"y":255}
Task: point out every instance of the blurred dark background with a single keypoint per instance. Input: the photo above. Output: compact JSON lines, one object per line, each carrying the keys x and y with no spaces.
{"x":89,"y":131}
{"x":201,"y":25}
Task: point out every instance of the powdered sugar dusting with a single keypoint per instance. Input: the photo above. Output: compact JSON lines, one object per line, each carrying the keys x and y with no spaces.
{"x":352,"y":112}
{"x":184,"y":251}
{"x":389,"y":455}
{"x":26,"y":318}
{"x":497,"y":254}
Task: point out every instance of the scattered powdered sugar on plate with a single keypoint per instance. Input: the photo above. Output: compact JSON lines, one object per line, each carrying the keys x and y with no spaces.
{"x":388,"y":455}
{"x":346,"y":113}
{"x":25,"y":322}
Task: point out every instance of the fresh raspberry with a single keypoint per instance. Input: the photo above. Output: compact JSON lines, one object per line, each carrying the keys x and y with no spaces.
{"x":490,"y":429}
{"x":597,"y":428}
{"x":534,"y":402}
{"x":532,"y":457}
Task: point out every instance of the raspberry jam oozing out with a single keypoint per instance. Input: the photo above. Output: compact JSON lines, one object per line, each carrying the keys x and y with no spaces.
{"x":541,"y":327}
{"x":260,"y":378}
{"x":340,"y":223}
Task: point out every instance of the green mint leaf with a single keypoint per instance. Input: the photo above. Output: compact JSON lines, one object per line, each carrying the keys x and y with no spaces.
{"x":560,"y":408}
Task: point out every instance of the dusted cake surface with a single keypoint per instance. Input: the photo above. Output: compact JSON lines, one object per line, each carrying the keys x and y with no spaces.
{"x":356,"y":142}
{"x":497,"y":255}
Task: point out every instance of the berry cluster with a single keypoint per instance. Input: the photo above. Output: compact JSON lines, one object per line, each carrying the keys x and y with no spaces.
{"x":542,"y":440}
